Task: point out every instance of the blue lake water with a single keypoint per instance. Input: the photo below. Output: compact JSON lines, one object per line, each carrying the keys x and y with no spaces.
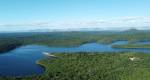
{"x":145,"y":42}
{"x":22,"y":61}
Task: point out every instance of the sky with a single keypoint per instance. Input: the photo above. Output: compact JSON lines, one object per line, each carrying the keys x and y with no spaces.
{"x":18,"y":15}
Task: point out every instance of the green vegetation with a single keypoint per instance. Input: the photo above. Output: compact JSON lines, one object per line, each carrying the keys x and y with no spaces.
{"x":7,"y":45}
{"x":98,"y":66}
{"x":94,"y":66}
{"x":9,"y":41}
{"x":84,"y":66}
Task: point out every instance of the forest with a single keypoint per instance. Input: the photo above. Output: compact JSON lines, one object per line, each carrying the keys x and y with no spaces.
{"x":84,"y":65}
{"x":10,"y":41}
{"x":93,"y":66}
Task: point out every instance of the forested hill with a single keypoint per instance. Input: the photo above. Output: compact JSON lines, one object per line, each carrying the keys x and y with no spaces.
{"x":9,"y":41}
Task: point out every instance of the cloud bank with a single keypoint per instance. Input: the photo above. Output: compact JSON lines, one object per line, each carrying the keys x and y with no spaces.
{"x":103,"y":24}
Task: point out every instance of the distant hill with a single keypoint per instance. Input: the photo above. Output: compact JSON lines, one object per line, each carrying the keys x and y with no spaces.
{"x":132,"y":30}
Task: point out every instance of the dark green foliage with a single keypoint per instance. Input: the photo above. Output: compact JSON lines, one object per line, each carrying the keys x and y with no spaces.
{"x":7,"y":45}
{"x":83,"y":66}
{"x":93,"y":66}
{"x":97,"y":66}
{"x":70,"y":39}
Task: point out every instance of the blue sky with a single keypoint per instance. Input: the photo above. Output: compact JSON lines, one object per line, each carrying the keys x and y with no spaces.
{"x":63,"y":14}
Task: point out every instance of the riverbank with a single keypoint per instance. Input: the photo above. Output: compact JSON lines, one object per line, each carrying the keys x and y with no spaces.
{"x":83,"y":66}
{"x":10,"y":41}
{"x":111,"y":66}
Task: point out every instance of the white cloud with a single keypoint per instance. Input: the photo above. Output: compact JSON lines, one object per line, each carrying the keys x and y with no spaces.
{"x":119,"y":23}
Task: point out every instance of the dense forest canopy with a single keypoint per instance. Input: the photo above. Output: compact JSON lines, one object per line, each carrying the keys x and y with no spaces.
{"x":10,"y":41}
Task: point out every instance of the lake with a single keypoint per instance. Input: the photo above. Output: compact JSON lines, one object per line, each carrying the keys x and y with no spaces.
{"x":22,"y":61}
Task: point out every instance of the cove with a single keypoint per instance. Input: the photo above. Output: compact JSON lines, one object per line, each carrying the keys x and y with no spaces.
{"x":22,"y":61}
